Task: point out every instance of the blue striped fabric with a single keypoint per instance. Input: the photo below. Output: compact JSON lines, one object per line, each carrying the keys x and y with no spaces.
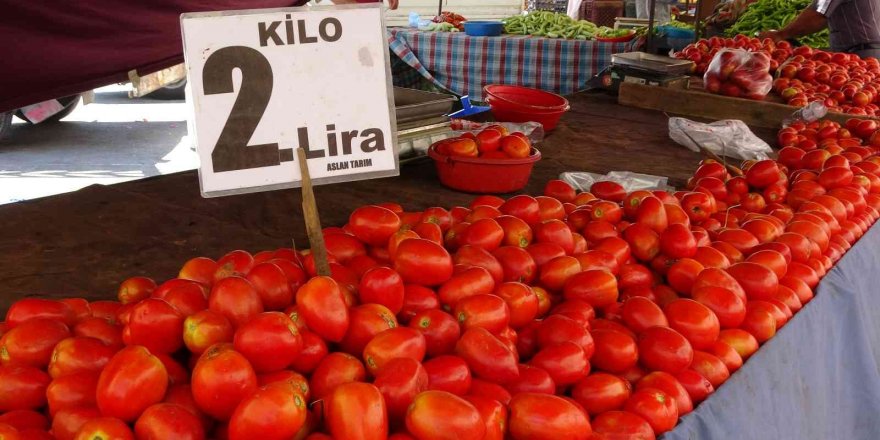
{"x":462,"y":64}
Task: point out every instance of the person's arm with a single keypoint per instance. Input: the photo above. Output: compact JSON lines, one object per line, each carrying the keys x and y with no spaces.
{"x":807,"y":22}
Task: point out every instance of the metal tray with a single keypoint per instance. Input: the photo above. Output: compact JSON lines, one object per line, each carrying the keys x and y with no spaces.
{"x":412,"y":105}
{"x":652,"y":63}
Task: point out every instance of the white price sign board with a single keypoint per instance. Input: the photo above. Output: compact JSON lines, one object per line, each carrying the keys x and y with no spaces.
{"x":266,"y":82}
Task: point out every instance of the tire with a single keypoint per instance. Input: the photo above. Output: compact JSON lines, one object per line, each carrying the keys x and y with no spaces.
{"x":69,"y":102}
{"x":5,"y":124}
{"x":171,"y":92}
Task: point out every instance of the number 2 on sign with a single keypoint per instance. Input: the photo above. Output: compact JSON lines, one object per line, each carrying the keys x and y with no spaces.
{"x":232,"y":152}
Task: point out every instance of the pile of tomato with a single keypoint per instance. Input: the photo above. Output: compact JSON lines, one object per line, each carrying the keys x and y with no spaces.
{"x":703,"y":51}
{"x":592,"y":315}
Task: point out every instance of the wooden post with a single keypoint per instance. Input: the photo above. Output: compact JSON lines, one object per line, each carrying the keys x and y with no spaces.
{"x":313,"y":220}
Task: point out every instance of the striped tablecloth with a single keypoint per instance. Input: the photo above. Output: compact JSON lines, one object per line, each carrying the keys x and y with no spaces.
{"x":463,"y":65}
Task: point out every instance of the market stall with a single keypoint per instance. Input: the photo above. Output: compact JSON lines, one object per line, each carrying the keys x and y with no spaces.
{"x":453,"y":61}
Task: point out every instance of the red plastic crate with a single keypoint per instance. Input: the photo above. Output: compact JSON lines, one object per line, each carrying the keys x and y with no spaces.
{"x":601,"y":13}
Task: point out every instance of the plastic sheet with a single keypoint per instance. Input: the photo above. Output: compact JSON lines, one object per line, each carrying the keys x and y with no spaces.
{"x":731,"y":138}
{"x":630,"y":181}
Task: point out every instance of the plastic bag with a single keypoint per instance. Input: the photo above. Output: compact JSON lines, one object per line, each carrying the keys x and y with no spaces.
{"x":731,"y":138}
{"x":811,"y":112}
{"x":533,"y":130}
{"x":739,"y":73}
{"x":630,"y":181}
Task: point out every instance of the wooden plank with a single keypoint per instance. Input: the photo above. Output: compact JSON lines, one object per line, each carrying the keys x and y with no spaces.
{"x":701,"y":104}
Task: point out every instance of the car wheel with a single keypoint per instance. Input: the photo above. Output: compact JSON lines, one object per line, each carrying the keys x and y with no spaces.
{"x":68,"y":102}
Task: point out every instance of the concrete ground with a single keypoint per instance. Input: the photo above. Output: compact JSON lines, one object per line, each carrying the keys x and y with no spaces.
{"x":111,"y":140}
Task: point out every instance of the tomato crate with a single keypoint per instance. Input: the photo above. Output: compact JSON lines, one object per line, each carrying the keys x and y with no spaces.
{"x":601,"y":13}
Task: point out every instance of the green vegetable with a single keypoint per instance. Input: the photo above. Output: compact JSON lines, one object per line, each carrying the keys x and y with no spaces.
{"x":550,"y":24}
{"x":765,"y":15}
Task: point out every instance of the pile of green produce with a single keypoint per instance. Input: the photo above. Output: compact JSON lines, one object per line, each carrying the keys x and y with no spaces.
{"x":607,"y":32}
{"x":680,"y":25}
{"x":765,"y":15}
{"x":439,"y":27}
{"x":550,"y":24}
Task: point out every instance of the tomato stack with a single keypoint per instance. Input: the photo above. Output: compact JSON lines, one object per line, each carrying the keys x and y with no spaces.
{"x":569,"y":315}
{"x":703,"y":51}
{"x":493,"y":142}
{"x":844,"y":82}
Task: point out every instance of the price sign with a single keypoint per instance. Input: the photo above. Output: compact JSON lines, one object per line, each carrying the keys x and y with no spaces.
{"x":266,"y":82}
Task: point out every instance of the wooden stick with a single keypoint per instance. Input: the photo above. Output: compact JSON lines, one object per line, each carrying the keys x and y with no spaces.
{"x":313,"y":220}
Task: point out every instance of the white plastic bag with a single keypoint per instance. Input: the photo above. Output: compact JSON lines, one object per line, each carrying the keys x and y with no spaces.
{"x":731,"y":138}
{"x":630,"y":181}
{"x":739,"y":73}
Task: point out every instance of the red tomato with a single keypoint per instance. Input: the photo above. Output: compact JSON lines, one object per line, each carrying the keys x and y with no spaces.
{"x":712,"y":277}
{"x":474,"y":256}
{"x":731,"y":359}
{"x":729,"y":309}
{"x":450,"y":374}
{"x":100,"y":329}
{"x":393,"y":343}
{"x":205,"y":329}
{"x":156,"y":325}
{"x":550,"y":208}
{"x":597,"y":287}
{"x":532,"y":380}
{"x":601,"y":392}
{"x":335,"y":369}
{"x":664,"y":349}
{"x":22,"y":388}
{"x":555,"y":231}
{"x":343,"y":246}
{"x":598,"y":260}
{"x":444,"y":416}
{"x":542,"y":253}
{"x":24,"y":420}
{"x":190,"y":297}
{"x":221,"y":378}
{"x":556,"y":329}
{"x":742,"y":341}
{"x":622,"y":425}
{"x":641,"y":313}
{"x":567,"y":363}
{"x":521,"y":302}
{"x":678,"y":242}
{"x":169,"y":420}
{"x":484,"y":233}
{"x":494,"y":415}
{"x":199,"y":269}
{"x":440,"y":329}
{"x":400,"y":382}
{"x":643,"y":241}
{"x":356,"y":411}
{"x":135,"y":289}
{"x":322,"y":305}
{"x":272,"y":412}
{"x":382,"y":285}
{"x":235,"y":263}
{"x":269,"y":341}
{"x":423,"y":262}
{"x":710,"y":367}
{"x":484,"y":311}
{"x":272,"y":285}
{"x":615,"y":351}
{"x":104,"y":428}
{"x":669,"y":385}
{"x":523,"y":207}
{"x":652,"y":214}
{"x":543,"y":416}
{"x":236,"y":299}
{"x":516,"y":263}
{"x":132,"y":381}
{"x":760,"y":323}
{"x":559,"y":189}
{"x":373,"y":225}
{"x":417,"y":299}
{"x":487,"y":356}
{"x":67,"y":422}
{"x":657,"y":408}
{"x":696,"y":322}
{"x":556,"y":272}
{"x":608,"y":190}
{"x":31,"y":343}
{"x":365,"y":322}
{"x":71,"y":391}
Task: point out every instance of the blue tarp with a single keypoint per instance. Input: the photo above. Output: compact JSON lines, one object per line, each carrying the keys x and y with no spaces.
{"x":819,"y":378}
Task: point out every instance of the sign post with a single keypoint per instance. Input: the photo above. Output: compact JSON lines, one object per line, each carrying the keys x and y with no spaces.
{"x":265,"y":83}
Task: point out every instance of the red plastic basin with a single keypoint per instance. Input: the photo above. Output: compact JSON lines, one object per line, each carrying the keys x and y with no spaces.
{"x":486,"y":176}
{"x":524,"y":104}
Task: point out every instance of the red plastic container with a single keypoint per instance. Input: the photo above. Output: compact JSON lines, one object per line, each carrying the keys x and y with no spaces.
{"x":486,"y":176}
{"x":523,"y":104}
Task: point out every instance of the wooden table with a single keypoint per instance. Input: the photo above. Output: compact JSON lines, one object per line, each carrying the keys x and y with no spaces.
{"x":85,"y":243}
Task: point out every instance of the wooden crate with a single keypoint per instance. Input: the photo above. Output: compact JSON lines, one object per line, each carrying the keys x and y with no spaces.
{"x":698,"y":103}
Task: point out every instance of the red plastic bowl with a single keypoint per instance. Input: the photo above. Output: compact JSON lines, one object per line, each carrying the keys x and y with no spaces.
{"x":524,"y":104}
{"x":487,"y":176}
